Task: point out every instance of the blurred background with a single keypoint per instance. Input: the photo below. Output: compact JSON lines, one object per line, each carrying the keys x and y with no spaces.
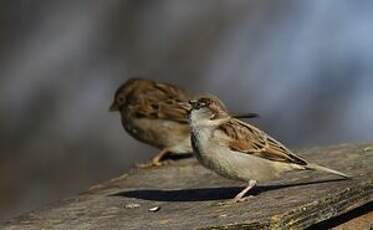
{"x":304,"y":66}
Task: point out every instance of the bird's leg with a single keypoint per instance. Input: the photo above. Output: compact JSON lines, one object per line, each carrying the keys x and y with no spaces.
{"x":240,"y":196}
{"x":156,"y":160}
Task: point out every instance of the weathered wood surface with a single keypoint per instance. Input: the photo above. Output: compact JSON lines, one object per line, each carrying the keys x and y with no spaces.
{"x":188,"y":197}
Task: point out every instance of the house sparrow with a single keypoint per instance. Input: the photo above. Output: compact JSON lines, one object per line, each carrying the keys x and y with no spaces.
{"x":155,"y":113}
{"x":238,"y":150}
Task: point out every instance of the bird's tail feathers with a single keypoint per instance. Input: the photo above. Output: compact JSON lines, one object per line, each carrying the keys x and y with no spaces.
{"x":325,"y":169}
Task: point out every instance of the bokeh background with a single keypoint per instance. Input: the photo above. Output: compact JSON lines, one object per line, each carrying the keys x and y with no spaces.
{"x":305,"y":66}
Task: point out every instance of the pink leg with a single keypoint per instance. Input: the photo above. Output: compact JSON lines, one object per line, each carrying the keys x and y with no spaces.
{"x":156,"y":160}
{"x":240,"y":196}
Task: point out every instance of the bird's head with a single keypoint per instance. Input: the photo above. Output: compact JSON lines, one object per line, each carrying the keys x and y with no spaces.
{"x":124,"y":92}
{"x":205,"y":109}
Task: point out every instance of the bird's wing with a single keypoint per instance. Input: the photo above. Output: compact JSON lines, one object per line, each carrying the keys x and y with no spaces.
{"x":161,"y":101}
{"x":248,"y":139}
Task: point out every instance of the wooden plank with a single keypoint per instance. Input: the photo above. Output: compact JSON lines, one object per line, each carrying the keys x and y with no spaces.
{"x":187,"y":196}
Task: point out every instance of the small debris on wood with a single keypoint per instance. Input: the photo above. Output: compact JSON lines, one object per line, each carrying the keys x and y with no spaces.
{"x":154,"y":209}
{"x":367,"y":149}
{"x":132,"y":205}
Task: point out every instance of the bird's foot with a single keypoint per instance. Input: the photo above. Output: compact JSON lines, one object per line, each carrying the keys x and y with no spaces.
{"x":151,"y":164}
{"x":235,"y":200}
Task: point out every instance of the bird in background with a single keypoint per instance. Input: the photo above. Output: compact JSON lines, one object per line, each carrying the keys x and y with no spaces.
{"x":155,"y":113}
{"x":238,"y":150}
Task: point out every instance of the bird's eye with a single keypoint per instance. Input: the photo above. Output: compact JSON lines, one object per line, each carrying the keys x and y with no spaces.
{"x":120,"y":99}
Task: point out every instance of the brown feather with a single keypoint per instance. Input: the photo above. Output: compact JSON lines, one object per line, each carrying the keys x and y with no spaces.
{"x":248,"y":139}
{"x":158,"y":101}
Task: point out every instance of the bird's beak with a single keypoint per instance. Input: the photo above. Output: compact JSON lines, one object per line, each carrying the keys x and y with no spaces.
{"x":185,"y":105}
{"x":193,"y":104}
{"x":196,"y":104}
{"x":113,"y":107}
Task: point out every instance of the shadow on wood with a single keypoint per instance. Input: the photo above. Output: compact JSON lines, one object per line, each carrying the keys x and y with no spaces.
{"x":205,"y":194}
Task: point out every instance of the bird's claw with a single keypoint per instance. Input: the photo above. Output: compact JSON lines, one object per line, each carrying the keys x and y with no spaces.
{"x":235,"y":200}
{"x":151,"y":164}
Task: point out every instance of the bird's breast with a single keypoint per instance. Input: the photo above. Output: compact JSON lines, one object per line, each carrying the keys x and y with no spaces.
{"x":157,"y":132}
{"x":204,"y":148}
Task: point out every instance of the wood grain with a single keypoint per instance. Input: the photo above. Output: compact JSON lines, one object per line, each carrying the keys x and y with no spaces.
{"x":188,"y":195}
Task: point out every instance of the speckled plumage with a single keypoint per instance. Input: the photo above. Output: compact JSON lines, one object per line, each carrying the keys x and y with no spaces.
{"x":238,"y":150}
{"x":153,"y":113}
{"x":156,"y":114}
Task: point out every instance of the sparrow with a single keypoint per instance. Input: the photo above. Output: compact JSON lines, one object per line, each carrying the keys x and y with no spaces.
{"x":155,"y":113}
{"x":239,"y":151}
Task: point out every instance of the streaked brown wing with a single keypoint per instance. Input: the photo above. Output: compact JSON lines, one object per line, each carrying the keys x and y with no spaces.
{"x":161,"y":101}
{"x":251,"y":140}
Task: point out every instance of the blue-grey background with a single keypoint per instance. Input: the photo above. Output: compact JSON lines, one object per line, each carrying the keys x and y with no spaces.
{"x":305,"y":66}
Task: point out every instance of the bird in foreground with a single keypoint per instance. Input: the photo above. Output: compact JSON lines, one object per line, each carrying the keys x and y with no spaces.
{"x":238,"y":150}
{"x":153,"y":113}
